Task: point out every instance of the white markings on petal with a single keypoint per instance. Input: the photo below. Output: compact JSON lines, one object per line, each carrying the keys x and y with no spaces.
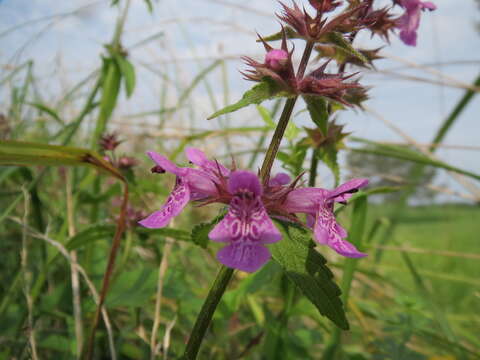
{"x":175,"y":203}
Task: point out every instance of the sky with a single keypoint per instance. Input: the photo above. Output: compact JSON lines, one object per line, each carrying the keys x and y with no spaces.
{"x":65,"y":39}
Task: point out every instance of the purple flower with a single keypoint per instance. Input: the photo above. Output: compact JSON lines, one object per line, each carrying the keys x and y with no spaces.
{"x":409,"y":22}
{"x":280,"y":179}
{"x":190,"y":184}
{"x":246,"y":227}
{"x":318,"y":205}
{"x":276,"y":59}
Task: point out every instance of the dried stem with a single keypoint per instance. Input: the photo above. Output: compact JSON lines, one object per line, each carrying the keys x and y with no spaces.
{"x":158,"y":301}
{"x":109,"y":271}
{"x":81,"y":271}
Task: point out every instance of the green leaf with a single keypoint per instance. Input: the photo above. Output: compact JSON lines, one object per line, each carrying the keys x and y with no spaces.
{"x":292,"y":131}
{"x":266,"y":116}
{"x":289,"y":32}
{"x":91,"y":234}
{"x":149,"y":5}
{"x":49,"y":111}
{"x":339,"y":40}
{"x":250,"y":285}
{"x":27,"y":153}
{"x":110,"y":90}
{"x":200,"y":232}
{"x":265,"y":90}
{"x":128,"y":73}
{"x":308,"y":270}
{"x":406,"y":153}
{"x":132,"y":288}
{"x":176,"y":234}
{"x":318,"y":108}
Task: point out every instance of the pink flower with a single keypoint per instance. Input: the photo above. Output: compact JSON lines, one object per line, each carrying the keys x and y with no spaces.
{"x":247,"y":227}
{"x":191,"y":184}
{"x":276,"y":59}
{"x":409,"y":22}
{"x":280,"y":179}
{"x":318,"y":205}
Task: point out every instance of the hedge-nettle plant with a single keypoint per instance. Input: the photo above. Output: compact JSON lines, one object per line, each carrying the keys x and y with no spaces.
{"x":262,"y":209}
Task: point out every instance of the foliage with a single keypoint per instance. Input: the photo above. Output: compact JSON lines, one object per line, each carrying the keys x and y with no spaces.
{"x":70,"y":240}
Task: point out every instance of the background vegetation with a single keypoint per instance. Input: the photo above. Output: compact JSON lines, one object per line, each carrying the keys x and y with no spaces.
{"x":417,"y":295}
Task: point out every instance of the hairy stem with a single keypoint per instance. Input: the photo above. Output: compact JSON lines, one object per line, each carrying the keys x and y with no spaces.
{"x":206,"y":313}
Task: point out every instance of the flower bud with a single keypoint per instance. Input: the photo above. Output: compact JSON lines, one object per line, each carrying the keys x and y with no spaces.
{"x":276,"y":59}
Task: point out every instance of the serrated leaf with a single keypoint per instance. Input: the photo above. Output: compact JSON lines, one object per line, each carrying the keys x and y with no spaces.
{"x":308,"y":270}
{"x":339,"y":40}
{"x":200,"y":232}
{"x":128,"y":73}
{"x":317,"y":106}
{"x":265,"y":90}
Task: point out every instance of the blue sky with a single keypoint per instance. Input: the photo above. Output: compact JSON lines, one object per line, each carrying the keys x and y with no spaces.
{"x":66,"y":48}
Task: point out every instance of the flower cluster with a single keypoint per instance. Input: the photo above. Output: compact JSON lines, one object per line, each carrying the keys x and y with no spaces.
{"x":330,"y":34}
{"x":108,"y":144}
{"x":247,"y":226}
{"x":278,"y":67}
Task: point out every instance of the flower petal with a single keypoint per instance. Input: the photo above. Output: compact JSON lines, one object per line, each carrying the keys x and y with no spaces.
{"x":241,"y":180}
{"x":243,"y":256}
{"x":328,"y":232}
{"x":429,"y":5}
{"x":409,"y":37}
{"x":259,"y":228}
{"x":175,"y":203}
{"x":166,"y":164}
{"x":280,"y":179}
{"x":339,"y":194}
{"x":201,"y":184}
{"x":199,"y":158}
{"x":345,"y":248}
{"x":304,"y":200}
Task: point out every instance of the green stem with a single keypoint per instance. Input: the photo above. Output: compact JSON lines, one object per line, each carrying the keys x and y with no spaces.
{"x":276,"y":139}
{"x":284,"y":119}
{"x":225,"y":274}
{"x":313,"y":168}
{"x":119,"y":27}
{"x":263,"y":138}
{"x":206,"y":313}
